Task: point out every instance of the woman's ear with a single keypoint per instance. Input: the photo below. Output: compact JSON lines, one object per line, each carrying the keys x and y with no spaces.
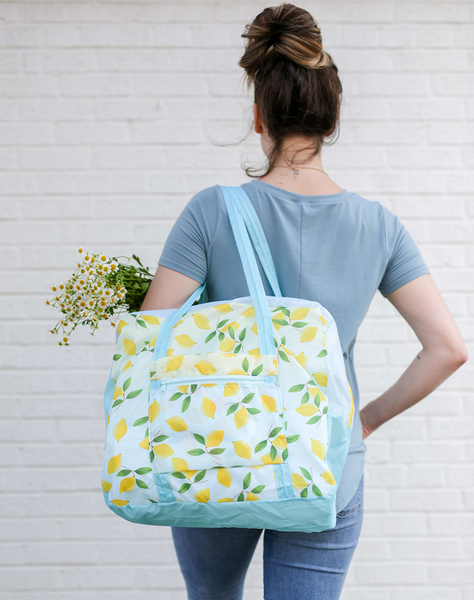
{"x":258,"y":125}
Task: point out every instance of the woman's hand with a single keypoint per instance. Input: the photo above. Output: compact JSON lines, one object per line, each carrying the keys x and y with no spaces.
{"x":367,"y":426}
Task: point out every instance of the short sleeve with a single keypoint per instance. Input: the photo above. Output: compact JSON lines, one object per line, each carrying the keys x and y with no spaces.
{"x":405,"y":261}
{"x":186,"y":247}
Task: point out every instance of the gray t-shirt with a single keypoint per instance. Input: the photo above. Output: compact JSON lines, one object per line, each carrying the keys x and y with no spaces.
{"x":335,"y":249}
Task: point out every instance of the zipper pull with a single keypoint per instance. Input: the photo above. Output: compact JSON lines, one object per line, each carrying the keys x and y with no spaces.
{"x":163,"y":387}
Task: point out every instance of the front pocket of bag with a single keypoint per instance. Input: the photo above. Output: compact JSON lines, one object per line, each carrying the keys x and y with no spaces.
{"x":227,"y":421}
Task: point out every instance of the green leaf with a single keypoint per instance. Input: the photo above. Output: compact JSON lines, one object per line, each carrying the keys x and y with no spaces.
{"x":196,"y":452}
{"x":321,"y":354}
{"x":286,"y":312}
{"x":184,"y":488}
{"x":284,"y":454}
{"x":141,"y":323}
{"x":316,"y":490}
{"x":221,"y":336}
{"x":160,"y":438}
{"x":146,"y":432}
{"x":199,"y":438}
{"x":232,"y":409}
{"x":116,"y":356}
{"x":123,"y":472}
{"x":152,"y":456}
{"x":221,"y":324}
{"x":257,"y":370}
{"x":292,"y":438}
{"x":246,"y":481}
{"x":283,"y":340}
{"x":231,"y":332}
{"x":237,"y":348}
{"x":210,"y":336}
{"x":299,"y":324}
{"x":283,"y":356}
{"x":273,"y":452}
{"x":179,"y":475}
{"x":304,"y":493}
{"x":242,"y":334}
{"x":306,"y":473}
{"x":153,"y":501}
{"x":275,"y":343}
{"x":134,"y":394}
{"x":117,"y":402}
{"x":305,"y":398}
{"x":258,"y":489}
{"x":260,"y":446}
{"x":311,"y":382}
{"x":141,"y":484}
{"x":199,"y":476}
{"x":253,"y":411}
{"x":140,"y":421}
{"x":194,"y":387}
{"x":241,"y":497}
{"x":275,"y":431}
{"x":248,"y":398}
{"x":217,"y":451}
{"x":143,"y":470}
{"x":280,"y":322}
{"x":317,"y":400}
{"x":126,"y":385}
{"x":151,"y":375}
{"x":186,"y":403}
{"x":176,"y":396}
{"x":325,"y":410}
{"x":313,"y":420}
{"x":297,"y":388}
{"x":245,"y":364}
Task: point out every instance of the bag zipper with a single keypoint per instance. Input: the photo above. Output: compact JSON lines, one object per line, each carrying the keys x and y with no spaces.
{"x":173,"y":382}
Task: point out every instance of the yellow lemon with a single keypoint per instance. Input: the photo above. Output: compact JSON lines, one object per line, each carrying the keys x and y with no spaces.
{"x":214,"y":438}
{"x":223,"y":308}
{"x":321,"y":377}
{"x":299,"y":313}
{"x":249,"y":312}
{"x":120,"y":430}
{"x":208,"y":384}
{"x":120,"y":502}
{"x":117,"y":392}
{"x":254,"y":328}
{"x":324,"y":340}
{"x":224,"y":477}
{"x":106,"y":486}
{"x":179,"y":464}
{"x":279,"y":316}
{"x":203,"y":495}
{"x":150,"y":319}
{"x":189,"y":474}
{"x":120,"y":326}
{"x":201,"y":321}
{"x":153,"y":411}
{"x":241,"y":417}
{"x":275,"y":363}
{"x":307,"y":410}
{"x":177,"y":423}
{"x":328,"y":477}
{"x":315,"y":390}
{"x":269,"y":403}
{"x":178,"y":323}
{"x":182,"y":388}
{"x":302,"y":359}
{"x":174,"y":363}
{"x":323,"y":320}
{"x":266,"y":459}
{"x":208,"y":408}
{"x":227,"y":345}
{"x":287,"y":350}
{"x":108,"y":421}
{"x":242,"y":449}
{"x":230,"y":389}
{"x":255,"y":352}
{"x":144,"y":443}
{"x":237,"y":371}
{"x":280,"y":442}
{"x":234,"y":326}
{"x":184,"y":341}
{"x":153,"y":342}
{"x":251,"y":496}
{"x":298,"y":482}
{"x":225,"y":500}
{"x":127,"y":484}
{"x":308,"y":334}
{"x":114,"y":464}
{"x":169,"y":352}
{"x":162,"y":450}
{"x":318,"y":448}
{"x":205,"y":367}
{"x":128,"y":366}
{"x":129,"y":347}
{"x":256,"y":466}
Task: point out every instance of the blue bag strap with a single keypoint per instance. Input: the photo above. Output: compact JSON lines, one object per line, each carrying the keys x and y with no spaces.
{"x":259,"y":240}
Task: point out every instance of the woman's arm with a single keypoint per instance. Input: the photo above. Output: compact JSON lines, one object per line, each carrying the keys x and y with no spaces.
{"x":168,"y":289}
{"x":444,"y":351}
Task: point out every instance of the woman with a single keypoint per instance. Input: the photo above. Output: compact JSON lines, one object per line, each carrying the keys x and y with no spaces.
{"x":329,"y":245}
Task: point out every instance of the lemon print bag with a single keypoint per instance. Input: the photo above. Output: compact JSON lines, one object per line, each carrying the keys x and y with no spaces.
{"x":228,"y":414}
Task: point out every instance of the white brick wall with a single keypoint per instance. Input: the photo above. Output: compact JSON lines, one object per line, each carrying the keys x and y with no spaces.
{"x":108,"y":111}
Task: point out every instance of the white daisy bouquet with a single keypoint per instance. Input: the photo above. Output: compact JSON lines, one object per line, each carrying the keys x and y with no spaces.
{"x":99,"y":287}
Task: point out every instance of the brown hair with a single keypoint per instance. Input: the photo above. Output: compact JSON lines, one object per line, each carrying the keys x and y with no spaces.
{"x":297,"y":86}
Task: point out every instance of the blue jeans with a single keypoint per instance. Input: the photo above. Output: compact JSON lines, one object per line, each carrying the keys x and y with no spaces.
{"x":296,"y":566}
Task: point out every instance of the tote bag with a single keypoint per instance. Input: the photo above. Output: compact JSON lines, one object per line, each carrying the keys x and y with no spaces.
{"x":228,"y":414}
